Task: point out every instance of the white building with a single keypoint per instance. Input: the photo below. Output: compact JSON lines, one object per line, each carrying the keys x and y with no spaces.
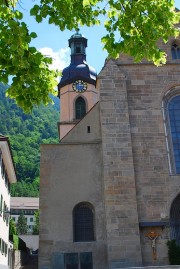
{"x":7,"y":176}
{"x":27,"y":206}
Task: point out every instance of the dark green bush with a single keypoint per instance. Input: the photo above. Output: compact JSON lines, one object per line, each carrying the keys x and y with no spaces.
{"x":173,"y":252}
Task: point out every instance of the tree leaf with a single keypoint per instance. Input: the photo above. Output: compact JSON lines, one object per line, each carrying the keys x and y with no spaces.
{"x":33,"y":35}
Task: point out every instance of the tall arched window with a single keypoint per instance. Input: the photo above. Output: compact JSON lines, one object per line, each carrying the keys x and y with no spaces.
{"x":80,"y":108}
{"x":175,"y":51}
{"x":83,"y":222}
{"x":172,"y":127}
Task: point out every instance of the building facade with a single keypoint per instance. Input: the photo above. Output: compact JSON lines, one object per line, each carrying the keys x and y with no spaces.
{"x":110,"y":190}
{"x":7,"y":176}
{"x":26,"y":206}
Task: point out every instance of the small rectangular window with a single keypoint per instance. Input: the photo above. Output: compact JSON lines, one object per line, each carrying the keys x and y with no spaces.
{"x":86,"y":261}
{"x":7,"y":216}
{"x":2,"y":169}
{"x":9,"y":256}
{"x":71,"y":260}
{"x":3,"y":247}
{"x":57,"y":261}
{"x":6,"y":178}
{"x":0,"y":157}
{"x":88,"y":129}
{"x":4,"y":209}
{"x":9,"y":187}
{"x":1,"y":205}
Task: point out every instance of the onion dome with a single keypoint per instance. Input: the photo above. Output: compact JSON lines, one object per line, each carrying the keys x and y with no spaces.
{"x":78,"y":68}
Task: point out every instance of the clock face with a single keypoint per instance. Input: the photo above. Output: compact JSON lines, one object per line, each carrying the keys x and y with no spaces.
{"x":79,"y":86}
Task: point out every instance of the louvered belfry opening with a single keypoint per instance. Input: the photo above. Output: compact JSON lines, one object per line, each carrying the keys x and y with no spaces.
{"x":83,"y":222}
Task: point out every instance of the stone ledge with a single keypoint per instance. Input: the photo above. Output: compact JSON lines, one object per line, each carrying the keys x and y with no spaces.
{"x":153,"y":267}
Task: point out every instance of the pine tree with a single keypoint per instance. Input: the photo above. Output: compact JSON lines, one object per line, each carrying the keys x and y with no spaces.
{"x":22,"y":226}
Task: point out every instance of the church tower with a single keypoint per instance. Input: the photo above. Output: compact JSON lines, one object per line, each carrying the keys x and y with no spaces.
{"x":77,"y":88}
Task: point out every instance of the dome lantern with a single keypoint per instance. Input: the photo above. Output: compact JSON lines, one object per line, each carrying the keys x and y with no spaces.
{"x":78,"y":68}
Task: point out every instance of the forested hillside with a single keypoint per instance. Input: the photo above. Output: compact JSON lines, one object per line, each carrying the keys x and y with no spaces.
{"x":26,"y":132}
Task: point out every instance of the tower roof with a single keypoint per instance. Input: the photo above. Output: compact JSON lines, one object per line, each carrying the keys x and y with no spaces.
{"x":77,"y":34}
{"x":78,"y":68}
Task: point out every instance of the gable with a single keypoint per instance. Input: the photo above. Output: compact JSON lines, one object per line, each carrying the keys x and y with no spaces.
{"x":86,"y":130}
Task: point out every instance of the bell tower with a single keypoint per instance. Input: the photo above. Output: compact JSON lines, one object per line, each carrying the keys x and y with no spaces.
{"x":77,"y":87}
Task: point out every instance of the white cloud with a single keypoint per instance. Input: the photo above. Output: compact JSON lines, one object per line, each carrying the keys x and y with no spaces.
{"x":60,"y":58}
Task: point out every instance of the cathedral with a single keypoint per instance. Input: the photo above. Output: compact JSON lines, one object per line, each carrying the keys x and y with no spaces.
{"x":110,"y":189}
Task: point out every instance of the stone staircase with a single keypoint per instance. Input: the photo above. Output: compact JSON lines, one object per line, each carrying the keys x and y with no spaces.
{"x":32,"y":263}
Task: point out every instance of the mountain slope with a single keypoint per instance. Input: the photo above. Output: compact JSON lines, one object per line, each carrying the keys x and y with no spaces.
{"x":26,"y":132}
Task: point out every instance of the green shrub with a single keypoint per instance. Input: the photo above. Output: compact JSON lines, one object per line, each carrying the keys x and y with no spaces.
{"x":15,"y":241}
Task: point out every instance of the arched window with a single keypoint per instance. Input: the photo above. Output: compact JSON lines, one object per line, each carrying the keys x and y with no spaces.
{"x":80,"y":108}
{"x":172,"y":128}
{"x":83,"y":222}
{"x":175,"y":51}
{"x":175,"y":220}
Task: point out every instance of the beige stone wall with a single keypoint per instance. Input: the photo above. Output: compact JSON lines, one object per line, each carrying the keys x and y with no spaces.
{"x":70,"y":174}
{"x":136,"y":172}
{"x":156,"y":189}
{"x":121,"y":167}
{"x":87,"y":130}
{"x":119,"y":178}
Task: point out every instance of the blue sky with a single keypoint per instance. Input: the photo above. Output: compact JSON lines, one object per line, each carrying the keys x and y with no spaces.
{"x":51,"y":41}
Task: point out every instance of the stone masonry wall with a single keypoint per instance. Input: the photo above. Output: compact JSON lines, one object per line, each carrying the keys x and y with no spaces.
{"x":119,"y":182}
{"x":70,"y":174}
{"x":137,"y":182}
{"x":146,"y":86}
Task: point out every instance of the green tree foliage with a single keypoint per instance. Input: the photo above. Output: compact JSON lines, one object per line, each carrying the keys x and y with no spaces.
{"x":22,"y":227}
{"x":12,"y":228}
{"x":133,"y":27}
{"x":25,"y":189}
{"x":26,"y":133}
{"x":32,"y":79}
{"x":129,"y":23}
{"x":36,"y":226}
